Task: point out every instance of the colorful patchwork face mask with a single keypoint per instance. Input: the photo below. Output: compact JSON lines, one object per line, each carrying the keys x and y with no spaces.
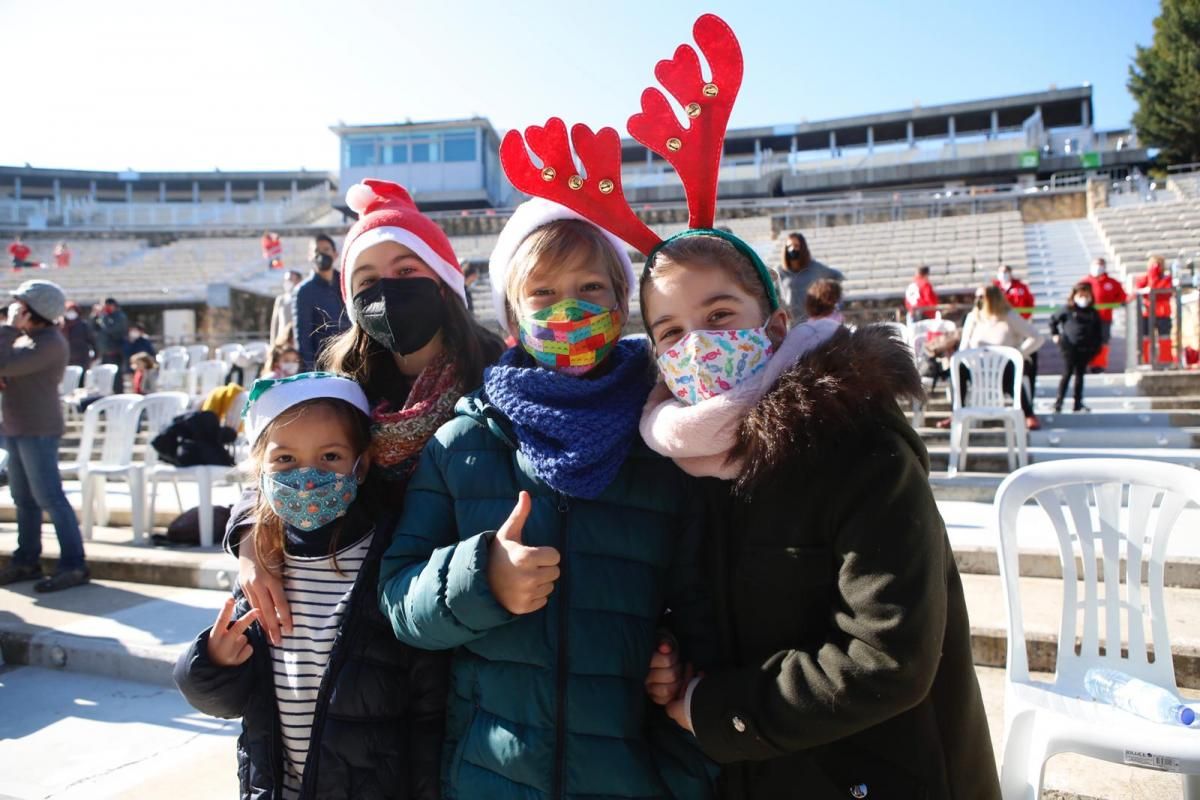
{"x":571,"y":336}
{"x":704,"y":364}
{"x":309,"y":498}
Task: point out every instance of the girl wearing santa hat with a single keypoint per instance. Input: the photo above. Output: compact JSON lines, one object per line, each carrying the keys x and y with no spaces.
{"x":412,"y":346}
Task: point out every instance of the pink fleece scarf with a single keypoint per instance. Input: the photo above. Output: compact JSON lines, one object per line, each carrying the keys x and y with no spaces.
{"x":699,"y":438}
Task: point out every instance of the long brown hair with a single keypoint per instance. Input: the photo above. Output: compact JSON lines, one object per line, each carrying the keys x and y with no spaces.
{"x":805,"y":253}
{"x":371,"y":365}
{"x":268,"y":527}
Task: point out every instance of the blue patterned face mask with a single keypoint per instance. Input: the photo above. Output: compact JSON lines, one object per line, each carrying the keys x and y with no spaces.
{"x":308,"y":498}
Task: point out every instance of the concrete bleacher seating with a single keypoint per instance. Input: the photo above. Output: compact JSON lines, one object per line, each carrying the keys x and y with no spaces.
{"x":1186,"y":185}
{"x":131,"y":271}
{"x":961,"y":251}
{"x":1134,"y":233}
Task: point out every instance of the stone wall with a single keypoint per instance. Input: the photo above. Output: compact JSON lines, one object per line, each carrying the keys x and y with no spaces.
{"x":1051,"y":207}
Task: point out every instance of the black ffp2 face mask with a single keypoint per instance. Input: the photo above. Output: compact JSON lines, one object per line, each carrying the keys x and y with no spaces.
{"x":402,"y":314}
{"x":323,"y":262}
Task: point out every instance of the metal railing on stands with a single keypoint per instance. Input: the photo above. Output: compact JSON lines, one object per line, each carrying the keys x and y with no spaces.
{"x":1179,"y":345}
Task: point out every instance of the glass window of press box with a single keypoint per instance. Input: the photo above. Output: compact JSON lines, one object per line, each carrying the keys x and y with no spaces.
{"x":415,"y":148}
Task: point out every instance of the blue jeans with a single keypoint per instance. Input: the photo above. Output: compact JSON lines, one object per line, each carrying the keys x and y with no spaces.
{"x":36,"y":486}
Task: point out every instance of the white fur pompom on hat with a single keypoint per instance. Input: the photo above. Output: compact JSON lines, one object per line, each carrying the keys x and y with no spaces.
{"x":528,"y":217}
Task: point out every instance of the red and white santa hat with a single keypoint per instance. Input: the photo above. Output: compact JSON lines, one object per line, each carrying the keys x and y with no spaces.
{"x":528,"y":217}
{"x":386,"y":213}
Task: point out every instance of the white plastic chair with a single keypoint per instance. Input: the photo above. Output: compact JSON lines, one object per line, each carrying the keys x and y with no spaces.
{"x":204,"y":476}
{"x":173,"y":380}
{"x":196,"y":354}
{"x":206,"y":376}
{"x":985,"y":401}
{"x":121,"y":413}
{"x":99,"y":379}
{"x":174,"y":358}
{"x":1111,"y":510}
{"x":922,"y":330}
{"x":904,"y":334}
{"x":256,"y":352}
{"x":72,"y":376}
{"x":229,"y":353}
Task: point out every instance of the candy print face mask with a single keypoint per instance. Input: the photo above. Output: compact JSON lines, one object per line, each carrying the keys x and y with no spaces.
{"x":308,"y":498}
{"x":571,"y":336}
{"x":704,"y":364}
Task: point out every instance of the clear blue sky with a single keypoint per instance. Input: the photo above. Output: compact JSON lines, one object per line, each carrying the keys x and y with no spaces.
{"x":255,"y":84}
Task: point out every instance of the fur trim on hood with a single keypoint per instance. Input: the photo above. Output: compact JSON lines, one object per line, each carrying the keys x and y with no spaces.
{"x":841,"y":389}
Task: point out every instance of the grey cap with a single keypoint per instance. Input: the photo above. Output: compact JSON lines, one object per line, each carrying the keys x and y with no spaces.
{"x":44,"y":298}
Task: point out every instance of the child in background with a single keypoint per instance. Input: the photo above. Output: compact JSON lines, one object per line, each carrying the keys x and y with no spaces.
{"x":145,"y":373}
{"x":824,"y":300}
{"x":283,"y":362}
{"x":339,"y":709}
{"x":551,"y":606}
{"x":1079,"y":334}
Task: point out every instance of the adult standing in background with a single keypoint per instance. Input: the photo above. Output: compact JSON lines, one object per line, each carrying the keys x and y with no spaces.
{"x":1019,"y":296}
{"x":1105,"y":289}
{"x":799,"y":271}
{"x":80,"y":342}
{"x":111,"y":327}
{"x":137,"y":342}
{"x":920,"y":299}
{"x":317,"y":306}
{"x":283,"y":330}
{"x":1157,"y":281}
{"x":33,"y":356}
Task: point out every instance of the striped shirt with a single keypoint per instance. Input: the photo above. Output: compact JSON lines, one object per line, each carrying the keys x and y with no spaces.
{"x":318,"y":596}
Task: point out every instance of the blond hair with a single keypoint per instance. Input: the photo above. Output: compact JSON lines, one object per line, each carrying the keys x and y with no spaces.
{"x":564,"y":242}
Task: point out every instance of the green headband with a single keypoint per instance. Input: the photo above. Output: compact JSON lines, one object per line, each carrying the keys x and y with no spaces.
{"x":764,"y":274}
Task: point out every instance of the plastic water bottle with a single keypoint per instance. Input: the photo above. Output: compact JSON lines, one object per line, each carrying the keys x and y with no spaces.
{"x":1137,"y":697}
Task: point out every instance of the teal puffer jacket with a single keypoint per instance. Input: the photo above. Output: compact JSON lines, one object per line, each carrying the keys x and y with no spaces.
{"x":549,"y":704}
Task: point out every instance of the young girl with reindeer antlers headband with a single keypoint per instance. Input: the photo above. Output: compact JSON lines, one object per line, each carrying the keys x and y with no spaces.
{"x":845,"y":664}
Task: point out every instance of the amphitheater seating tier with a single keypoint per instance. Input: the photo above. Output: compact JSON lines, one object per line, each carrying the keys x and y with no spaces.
{"x":1134,"y":233}
{"x":877,"y":258}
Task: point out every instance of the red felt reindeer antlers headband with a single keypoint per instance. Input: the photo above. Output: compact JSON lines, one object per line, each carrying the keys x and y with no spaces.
{"x":694,"y":151}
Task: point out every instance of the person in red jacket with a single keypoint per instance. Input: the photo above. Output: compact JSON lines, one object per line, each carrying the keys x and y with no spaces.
{"x":1156,"y":278}
{"x":920,"y":300}
{"x":1105,"y":289}
{"x":20,"y":253}
{"x":1020,"y":297}
{"x":62,"y":255}
{"x":272,"y":250}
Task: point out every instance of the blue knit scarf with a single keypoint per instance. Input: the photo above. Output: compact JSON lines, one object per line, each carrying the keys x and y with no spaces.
{"x":576,"y":430}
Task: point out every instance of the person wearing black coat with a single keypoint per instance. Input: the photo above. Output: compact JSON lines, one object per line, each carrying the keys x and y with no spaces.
{"x":81,"y":342}
{"x":1078,"y":332}
{"x":375,"y":736}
